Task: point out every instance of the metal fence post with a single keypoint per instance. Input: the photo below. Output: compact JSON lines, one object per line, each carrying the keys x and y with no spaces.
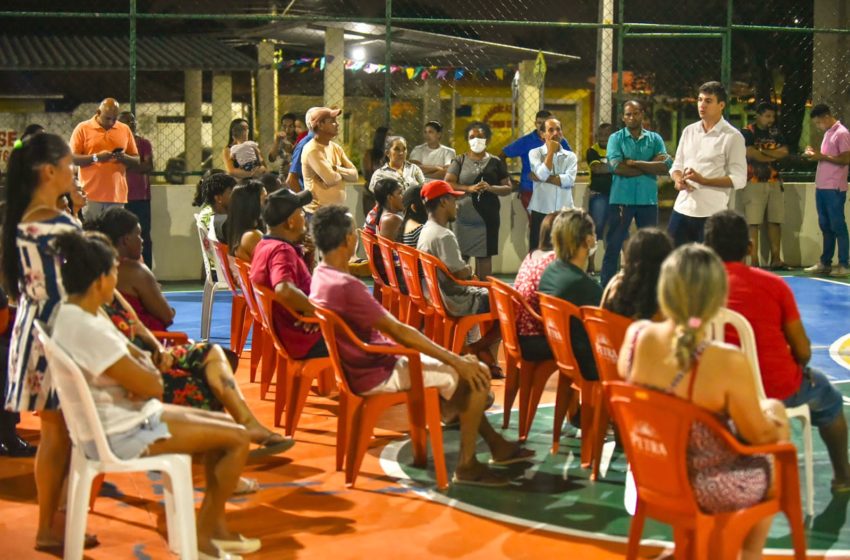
{"x":388,"y":60}
{"x":133,"y":56}
{"x":621,"y":30}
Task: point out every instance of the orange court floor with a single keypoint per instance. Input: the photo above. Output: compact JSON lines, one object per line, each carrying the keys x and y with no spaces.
{"x":303,"y":509}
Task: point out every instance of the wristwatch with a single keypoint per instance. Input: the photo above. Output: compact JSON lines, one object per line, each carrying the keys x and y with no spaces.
{"x":94,"y":158}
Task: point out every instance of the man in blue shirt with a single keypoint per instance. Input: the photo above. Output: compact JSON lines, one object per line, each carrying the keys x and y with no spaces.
{"x":521,"y":147}
{"x":295,"y":179}
{"x":636,"y":156}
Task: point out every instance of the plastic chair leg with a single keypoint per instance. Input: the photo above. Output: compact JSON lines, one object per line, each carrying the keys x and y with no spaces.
{"x":345,"y":418}
{"x":269,"y":362}
{"x":590,"y":393}
{"x":79,"y":490}
{"x":807,"y":464}
{"x":326,"y":382}
{"x":283,"y":386}
{"x":301,"y":383}
{"x":599,"y":429}
{"x":562,"y":402}
{"x":238,"y":309}
{"x":360,"y":433}
{"x":256,"y":349}
{"x":525,"y":382}
{"x":206,"y":308}
{"x":432,"y":419}
{"x":635,"y":531}
{"x":511,"y":388}
{"x":539,"y":377}
{"x":183,"y":510}
{"x":416,"y":418}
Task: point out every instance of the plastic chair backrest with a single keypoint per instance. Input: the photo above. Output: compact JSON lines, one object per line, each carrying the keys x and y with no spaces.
{"x":408,"y":257}
{"x":222,"y":263}
{"x":332,"y":325}
{"x":746,"y":338}
{"x":506,"y":300}
{"x":431,"y":267}
{"x":370,"y":244}
{"x":78,"y":406}
{"x":607,"y":332}
{"x":243,"y":277}
{"x":654,"y":428}
{"x":207,"y":253}
{"x":387,"y":249}
{"x":266,"y":303}
{"x":556,"y":314}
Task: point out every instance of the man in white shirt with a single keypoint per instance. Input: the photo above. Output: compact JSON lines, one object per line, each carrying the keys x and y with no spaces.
{"x":432,"y":157}
{"x":553,"y":173}
{"x":711,"y":159}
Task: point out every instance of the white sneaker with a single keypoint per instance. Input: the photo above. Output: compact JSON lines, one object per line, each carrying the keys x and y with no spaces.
{"x":840,"y":272}
{"x":818,"y":268}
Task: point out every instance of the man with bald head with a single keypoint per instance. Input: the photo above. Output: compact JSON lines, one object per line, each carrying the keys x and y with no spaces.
{"x":636,"y":156}
{"x":103,"y":147}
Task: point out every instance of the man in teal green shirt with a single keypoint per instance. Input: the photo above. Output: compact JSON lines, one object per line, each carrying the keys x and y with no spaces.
{"x":636,"y":156}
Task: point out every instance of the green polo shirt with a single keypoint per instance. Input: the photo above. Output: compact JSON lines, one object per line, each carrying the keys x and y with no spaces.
{"x":567,"y":281}
{"x":643,"y":189}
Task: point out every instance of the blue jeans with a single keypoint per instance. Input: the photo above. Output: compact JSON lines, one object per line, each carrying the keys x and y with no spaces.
{"x":830,"y":207}
{"x":620,"y":218}
{"x":824,"y":400}
{"x":685,"y":229}
{"x":598,"y":209}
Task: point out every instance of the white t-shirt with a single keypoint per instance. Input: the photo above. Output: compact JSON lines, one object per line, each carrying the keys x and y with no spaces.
{"x":441,"y":155}
{"x":245,"y":153}
{"x":95,"y":344}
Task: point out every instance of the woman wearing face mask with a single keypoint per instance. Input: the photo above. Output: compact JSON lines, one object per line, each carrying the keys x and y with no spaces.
{"x":396,"y":166}
{"x":484,"y":178}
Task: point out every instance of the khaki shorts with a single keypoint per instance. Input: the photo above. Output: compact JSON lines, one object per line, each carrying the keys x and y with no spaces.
{"x":434,"y":374}
{"x":756,"y":198}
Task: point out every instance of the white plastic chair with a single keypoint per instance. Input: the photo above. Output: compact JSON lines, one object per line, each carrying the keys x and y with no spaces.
{"x":210,"y":284}
{"x":84,"y":425}
{"x":748,"y":345}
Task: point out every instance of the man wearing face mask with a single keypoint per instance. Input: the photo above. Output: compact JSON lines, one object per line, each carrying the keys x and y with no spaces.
{"x":553,"y":171}
{"x":522,"y":146}
{"x":483,"y":178}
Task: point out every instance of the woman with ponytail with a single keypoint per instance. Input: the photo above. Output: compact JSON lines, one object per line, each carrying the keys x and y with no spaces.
{"x":38,"y":174}
{"x":674,"y":357}
{"x":128,"y":389}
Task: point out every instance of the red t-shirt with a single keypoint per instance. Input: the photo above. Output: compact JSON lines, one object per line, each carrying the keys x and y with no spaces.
{"x":139,"y":184}
{"x":349,"y":298}
{"x":768,"y":304}
{"x":277,"y":261}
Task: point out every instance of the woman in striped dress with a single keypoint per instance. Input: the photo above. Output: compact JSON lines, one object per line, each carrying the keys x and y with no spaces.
{"x":38,"y":173}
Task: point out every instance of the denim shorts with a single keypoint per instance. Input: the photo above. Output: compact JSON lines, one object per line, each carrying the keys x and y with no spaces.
{"x":134,"y":442}
{"x":824,"y":400}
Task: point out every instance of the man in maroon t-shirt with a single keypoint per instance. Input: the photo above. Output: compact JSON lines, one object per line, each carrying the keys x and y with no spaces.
{"x":280,"y":263}
{"x":767,"y":302}
{"x":462,"y":381}
{"x":139,"y":186}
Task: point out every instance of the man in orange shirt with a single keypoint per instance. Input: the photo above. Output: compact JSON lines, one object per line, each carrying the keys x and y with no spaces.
{"x":103,"y":148}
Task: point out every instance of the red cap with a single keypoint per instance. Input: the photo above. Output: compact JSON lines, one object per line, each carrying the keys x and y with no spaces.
{"x":435,"y":189}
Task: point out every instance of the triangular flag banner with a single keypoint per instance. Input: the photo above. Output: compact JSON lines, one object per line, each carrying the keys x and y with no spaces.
{"x":410,"y":72}
{"x":500,"y":73}
{"x":458,"y":73}
{"x":441,"y":74}
{"x":382,"y":68}
{"x":322,"y":63}
{"x":394,"y":69}
{"x":418,"y":71}
{"x":314,"y":63}
{"x":425,"y":74}
{"x":349,"y":64}
{"x":357,"y":66}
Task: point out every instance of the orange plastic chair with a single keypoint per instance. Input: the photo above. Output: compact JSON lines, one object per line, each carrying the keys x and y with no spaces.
{"x":370,"y":246}
{"x":556,"y":314}
{"x":294,"y":377}
{"x":419,"y":309}
{"x":388,"y":255}
{"x":606,"y":331}
{"x":258,"y":342}
{"x":240,"y":322}
{"x":453,"y":329}
{"x":532,"y":376}
{"x":358,"y":414}
{"x":655,"y":429}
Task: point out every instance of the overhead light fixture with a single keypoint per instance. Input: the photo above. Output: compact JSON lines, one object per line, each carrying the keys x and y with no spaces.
{"x":358,"y":54}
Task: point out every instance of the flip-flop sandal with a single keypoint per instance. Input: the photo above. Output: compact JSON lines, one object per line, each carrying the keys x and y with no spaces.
{"x":89,"y":542}
{"x":246,"y":486}
{"x":779,"y":267}
{"x":485,"y":479}
{"x":496,"y":371}
{"x":839,"y":489}
{"x":520,"y":455}
{"x":271,"y":446}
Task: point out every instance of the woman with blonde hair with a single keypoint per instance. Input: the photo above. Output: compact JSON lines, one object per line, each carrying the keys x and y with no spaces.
{"x":674,"y":357}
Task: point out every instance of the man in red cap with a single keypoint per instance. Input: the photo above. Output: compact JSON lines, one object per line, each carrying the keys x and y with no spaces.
{"x":437,"y":238}
{"x":325,"y":166}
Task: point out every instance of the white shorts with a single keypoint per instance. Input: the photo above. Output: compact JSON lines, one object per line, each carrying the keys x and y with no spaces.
{"x":435,"y":374}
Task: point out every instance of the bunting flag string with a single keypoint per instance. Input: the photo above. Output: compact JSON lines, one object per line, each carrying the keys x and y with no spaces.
{"x":318,"y":64}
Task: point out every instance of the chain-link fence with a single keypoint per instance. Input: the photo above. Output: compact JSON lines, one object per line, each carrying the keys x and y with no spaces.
{"x":406,"y":62}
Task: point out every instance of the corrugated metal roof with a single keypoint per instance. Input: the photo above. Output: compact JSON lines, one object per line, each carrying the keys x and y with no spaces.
{"x":81,"y":52}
